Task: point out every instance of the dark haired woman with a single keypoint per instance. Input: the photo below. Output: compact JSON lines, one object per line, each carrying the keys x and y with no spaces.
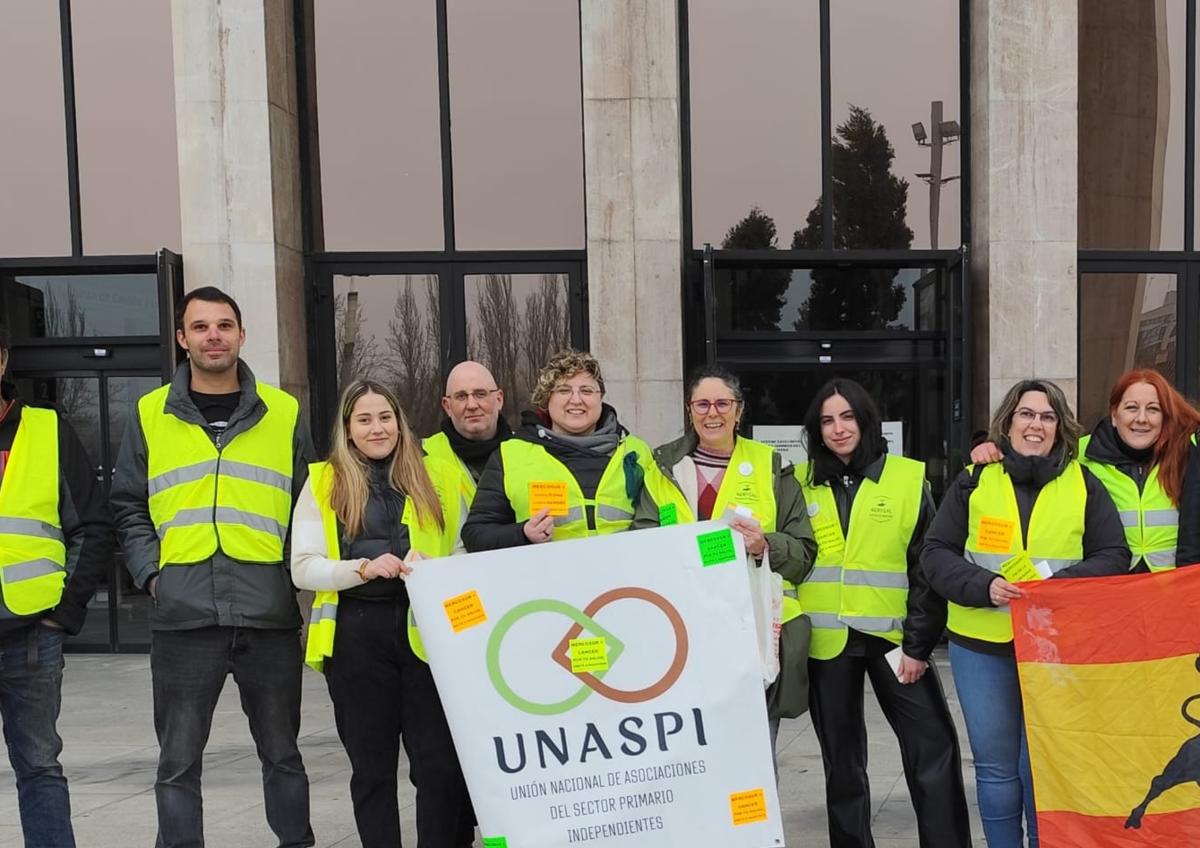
{"x":711,"y":468}
{"x":376,"y":504}
{"x":868,"y":599}
{"x":1038,"y":504}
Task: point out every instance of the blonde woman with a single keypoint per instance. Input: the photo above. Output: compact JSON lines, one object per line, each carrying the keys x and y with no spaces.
{"x":373,"y":507}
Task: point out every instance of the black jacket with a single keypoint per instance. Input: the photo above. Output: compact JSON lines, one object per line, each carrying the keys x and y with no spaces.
{"x":492,"y":522}
{"x":382,"y":532}
{"x":86,"y":524}
{"x":951,"y":576}
{"x":1187,"y":549}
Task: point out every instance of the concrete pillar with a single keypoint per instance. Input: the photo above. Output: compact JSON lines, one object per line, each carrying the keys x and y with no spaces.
{"x":1024,"y":187}
{"x":634,"y":194}
{"x":239,"y":172}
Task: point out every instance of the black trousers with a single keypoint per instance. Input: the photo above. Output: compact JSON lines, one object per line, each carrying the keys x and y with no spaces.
{"x":383,"y":695}
{"x":929,"y":750}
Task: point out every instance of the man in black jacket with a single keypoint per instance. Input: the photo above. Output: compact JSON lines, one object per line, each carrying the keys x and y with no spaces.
{"x":32,"y":631}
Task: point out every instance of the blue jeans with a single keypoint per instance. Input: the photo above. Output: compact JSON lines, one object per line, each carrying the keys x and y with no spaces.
{"x":990,"y":696}
{"x":31,"y":667}
{"x":188,"y":669}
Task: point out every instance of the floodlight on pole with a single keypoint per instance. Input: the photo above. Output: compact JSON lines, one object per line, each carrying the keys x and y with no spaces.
{"x":944,"y":132}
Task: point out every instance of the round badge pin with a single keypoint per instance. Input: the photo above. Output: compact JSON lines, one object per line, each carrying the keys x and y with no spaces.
{"x":745,"y":468}
{"x":813,"y":509}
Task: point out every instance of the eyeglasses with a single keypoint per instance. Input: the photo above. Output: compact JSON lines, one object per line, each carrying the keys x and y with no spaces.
{"x":1026,"y":416}
{"x":479,"y":394}
{"x":584,"y":392}
{"x":723,"y":406}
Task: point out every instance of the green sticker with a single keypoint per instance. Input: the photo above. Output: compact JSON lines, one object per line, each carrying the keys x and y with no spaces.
{"x":495,"y":842}
{"x":667,"y":514}
{"x":716,"y":547}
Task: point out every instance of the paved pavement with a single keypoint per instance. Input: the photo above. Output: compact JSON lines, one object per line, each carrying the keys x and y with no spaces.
{"x":110,"y":758}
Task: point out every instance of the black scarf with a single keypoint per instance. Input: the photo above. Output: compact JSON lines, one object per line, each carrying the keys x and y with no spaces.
{"x":1032,"y":470}
{"x":475,"y":452}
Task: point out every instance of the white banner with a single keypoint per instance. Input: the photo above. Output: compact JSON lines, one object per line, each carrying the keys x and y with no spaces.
{"x":605,"y":691}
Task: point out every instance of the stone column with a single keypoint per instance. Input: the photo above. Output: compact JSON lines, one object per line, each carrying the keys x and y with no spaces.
{"x":239,"y":172}
{"x":634,"y":194}
{"x":1024,"y":97}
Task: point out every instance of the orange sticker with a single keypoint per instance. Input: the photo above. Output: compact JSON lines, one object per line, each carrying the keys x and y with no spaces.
{"x":465,"y":610}
{"x":748,"y":807}
{"x":995,"y":535}
{"x":548,"y":494}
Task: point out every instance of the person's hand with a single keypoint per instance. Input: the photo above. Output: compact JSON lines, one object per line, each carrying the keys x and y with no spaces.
{"x":51,"y":623}
{"x":1001,"y":592}
{"x":386,"y":566}
{"x":152,"y":586}
{"x":406,"y":564}
{"x":910,"y":670}
{"x":752,"y":534}
{"x":540,"y":528}
{"x":986,"y":452}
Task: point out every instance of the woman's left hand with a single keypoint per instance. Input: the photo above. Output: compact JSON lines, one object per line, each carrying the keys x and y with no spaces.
{"x":910,"y":669}
{"x":406,"y":567}
{"x":752,"y":534}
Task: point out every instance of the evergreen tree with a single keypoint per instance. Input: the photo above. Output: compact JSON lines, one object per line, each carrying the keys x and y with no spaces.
{"x":755,"y":299}
{"x":869,"y":203}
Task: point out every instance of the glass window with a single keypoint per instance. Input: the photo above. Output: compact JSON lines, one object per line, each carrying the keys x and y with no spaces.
{"x":87,"y":306}
{"x":880,"y":198}
{"x":380,"y":137}
{"x":35,"y":218}
{"x":755,"y":80}
{"x":516,"y":109}
{"x":1131,"y":117}
{"x":388,"y":328}
{"x":829,"y":299}
{"x":1125,"y":321}
{"x":125,"y":114}
{"x":515,"y":323}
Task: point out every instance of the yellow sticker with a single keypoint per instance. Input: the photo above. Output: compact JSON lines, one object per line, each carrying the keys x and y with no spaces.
{"x":589,"y":655}
{"x":829,"y":537}
{"x":548,"y":494}
{"x":995,"y":535}
{"x":1019,"y":569}
{"x":465,"y":610}
{"x":748,"y":807}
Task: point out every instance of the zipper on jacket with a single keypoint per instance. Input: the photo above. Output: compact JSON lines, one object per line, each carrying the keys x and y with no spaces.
{"x":217,"y":484}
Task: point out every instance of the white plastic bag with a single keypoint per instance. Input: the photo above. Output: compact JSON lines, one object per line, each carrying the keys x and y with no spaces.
{"x":766,"y":596}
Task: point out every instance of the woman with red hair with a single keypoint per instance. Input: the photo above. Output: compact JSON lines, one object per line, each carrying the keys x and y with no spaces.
{"x":1144,"y":454}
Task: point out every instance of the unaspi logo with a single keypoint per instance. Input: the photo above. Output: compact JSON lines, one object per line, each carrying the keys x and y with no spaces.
{"x":1184,"y":767}
{"x":561,"y":654}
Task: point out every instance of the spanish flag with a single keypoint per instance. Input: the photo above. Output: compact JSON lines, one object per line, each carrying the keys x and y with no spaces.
{"x":1110,"y":680}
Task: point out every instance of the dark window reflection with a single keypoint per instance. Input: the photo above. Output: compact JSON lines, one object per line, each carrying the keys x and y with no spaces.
{"x":515,"y":323}
{"x":880,"y":200}
{"x":81,"y":306}
{"x":388,"y":328}
{"x":830,"y":299}
{"x":34,"y":215}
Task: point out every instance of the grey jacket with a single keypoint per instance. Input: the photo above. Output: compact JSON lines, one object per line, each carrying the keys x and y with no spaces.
{"x":792,"y":546}
{"x":220,"y":591}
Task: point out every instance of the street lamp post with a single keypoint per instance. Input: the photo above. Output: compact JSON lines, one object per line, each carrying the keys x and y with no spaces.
{"x":944,"y":132}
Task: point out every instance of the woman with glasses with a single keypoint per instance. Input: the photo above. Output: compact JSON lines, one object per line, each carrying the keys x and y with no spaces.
{"x":874,"y":616}
{"x":571,"y":471}
{"x":711,"y":470}
{"x":1038,"y":508}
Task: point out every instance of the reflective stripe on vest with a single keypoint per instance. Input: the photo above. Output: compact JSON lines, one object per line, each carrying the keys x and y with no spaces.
{"x":860,"y":579}
{"x":428,"y":540}
{"x":527,"y":462}
{"x":1150,"y":520}
{"x":753,"y":489}
{"x":1055,"y":535}
{"x":237,"y":499}
{"x":33,"y":553}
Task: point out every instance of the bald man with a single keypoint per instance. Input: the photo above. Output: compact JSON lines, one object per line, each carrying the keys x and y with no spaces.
{"x":472,"y":428}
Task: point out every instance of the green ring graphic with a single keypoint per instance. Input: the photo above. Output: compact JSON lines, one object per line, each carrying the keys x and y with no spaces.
{"x":528,"y":608}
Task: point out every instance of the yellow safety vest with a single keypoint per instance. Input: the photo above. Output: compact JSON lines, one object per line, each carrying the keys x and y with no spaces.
{"x":439,"y":445}
{"x":994,"y":536}
{"x":748,"y":482}
{"x":860,"y":579}
{"x":236,"y":497}
{"x":1150,"y":519}
{"x":33,"y":552}
{"x":426,"y":539}
{"x":526,"y":463}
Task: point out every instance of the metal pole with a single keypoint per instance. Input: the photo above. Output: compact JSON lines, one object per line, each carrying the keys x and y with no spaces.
{"x":935,"y":170}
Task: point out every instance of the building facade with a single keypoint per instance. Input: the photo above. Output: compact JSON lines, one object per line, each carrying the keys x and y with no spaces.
{"x":935,"y":197}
